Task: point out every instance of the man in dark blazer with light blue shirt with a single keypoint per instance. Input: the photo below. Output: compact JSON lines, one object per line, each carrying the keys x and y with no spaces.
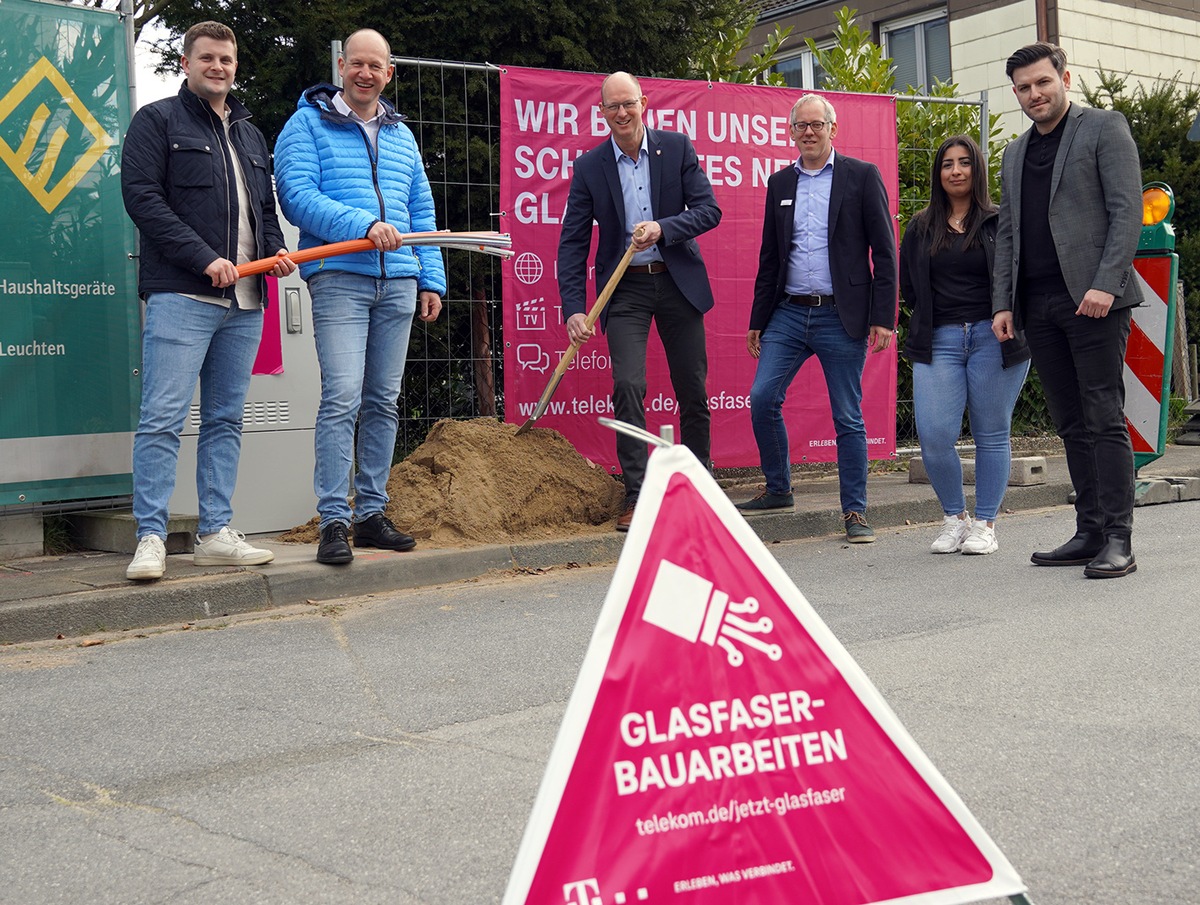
{"x":1070,"y":220}
{"x":826,"y":286}
{"x":652,"y":180}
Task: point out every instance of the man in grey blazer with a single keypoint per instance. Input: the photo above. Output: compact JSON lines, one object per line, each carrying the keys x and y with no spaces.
{"x":1070,"y":219}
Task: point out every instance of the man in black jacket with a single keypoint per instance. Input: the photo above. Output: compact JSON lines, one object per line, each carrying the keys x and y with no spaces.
{"x":826,"y":286}
{"x":196,"y":180}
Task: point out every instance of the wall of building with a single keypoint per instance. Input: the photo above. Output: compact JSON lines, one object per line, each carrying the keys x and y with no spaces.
{"x":1149,"y":39}
{"x":1148,"y":43}
{"x":979,"y":45}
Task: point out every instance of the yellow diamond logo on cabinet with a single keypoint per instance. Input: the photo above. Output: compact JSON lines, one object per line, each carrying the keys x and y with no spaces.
{"x":37,"y":156}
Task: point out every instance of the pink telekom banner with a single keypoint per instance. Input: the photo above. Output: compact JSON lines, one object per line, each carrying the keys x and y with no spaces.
{"x":269,"y":359}
{"x":721,"y":746}
{"x":549,"y":118}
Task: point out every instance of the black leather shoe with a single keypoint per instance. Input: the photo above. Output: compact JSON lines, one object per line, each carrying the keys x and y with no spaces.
{"x":1078,"y":551}
{"x":334,"y":549}
{"x":1115,"y":559}
{"x":378,"y":531}
{"x":768,"y":502}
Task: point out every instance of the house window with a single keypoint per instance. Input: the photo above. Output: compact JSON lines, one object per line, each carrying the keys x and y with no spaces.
{"x":801,"y":71}
{"x":920,"y":50}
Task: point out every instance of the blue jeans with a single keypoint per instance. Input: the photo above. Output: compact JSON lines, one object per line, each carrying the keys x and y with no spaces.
{"x":362,"y":325}
{"x":185,"y":340}
{"x":967,"y":372}
{"x":794,"y":334}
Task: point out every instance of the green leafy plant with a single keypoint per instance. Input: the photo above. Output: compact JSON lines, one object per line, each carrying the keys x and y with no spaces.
{"x":1160,"y":115}
{"x":719,"y":61}
{"x":854,"y":62}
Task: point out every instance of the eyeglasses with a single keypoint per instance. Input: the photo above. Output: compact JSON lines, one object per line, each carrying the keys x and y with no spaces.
{"x":627,"y":106}
{"x":817,"y":126}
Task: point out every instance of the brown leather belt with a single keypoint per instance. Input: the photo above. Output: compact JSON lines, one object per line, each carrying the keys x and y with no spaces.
{"x":810,"y":301}
{"x":652,"y":267}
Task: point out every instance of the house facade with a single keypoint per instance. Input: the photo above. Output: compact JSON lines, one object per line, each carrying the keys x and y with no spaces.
{"x":967,"y":41}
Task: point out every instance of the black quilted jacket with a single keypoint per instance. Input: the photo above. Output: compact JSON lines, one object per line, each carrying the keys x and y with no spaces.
{"x":179,"y":190}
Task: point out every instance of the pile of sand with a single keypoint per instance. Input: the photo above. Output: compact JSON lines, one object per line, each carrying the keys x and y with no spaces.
{"x":477,"y":482}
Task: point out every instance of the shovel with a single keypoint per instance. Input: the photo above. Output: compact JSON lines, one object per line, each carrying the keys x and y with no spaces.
{"x":569,"y":356}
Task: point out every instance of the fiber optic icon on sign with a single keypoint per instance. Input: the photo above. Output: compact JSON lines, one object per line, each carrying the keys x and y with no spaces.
{"x":690,"y":607}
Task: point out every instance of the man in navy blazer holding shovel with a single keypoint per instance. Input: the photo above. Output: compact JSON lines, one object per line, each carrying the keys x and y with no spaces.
{"x":648,"y":179}
{"x":826,"y":286}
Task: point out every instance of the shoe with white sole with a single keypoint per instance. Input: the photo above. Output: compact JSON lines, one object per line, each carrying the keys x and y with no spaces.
{"x":981,"y":539}
{"x":149,"y":560}
{"x":954,"y":532}
{"x":229,"y":548}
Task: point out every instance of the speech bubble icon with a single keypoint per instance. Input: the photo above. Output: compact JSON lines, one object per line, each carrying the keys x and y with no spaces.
{"x":531,"y":357}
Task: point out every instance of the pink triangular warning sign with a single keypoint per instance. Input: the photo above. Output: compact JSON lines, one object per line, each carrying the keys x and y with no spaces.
{"x":721,"y":746}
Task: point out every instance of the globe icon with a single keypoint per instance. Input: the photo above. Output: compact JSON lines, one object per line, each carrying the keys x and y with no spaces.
{"x":528,"y":267}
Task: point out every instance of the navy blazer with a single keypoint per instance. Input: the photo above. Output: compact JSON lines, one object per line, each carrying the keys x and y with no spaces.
{"x":862,"y":247}
{"x":683,"y":204}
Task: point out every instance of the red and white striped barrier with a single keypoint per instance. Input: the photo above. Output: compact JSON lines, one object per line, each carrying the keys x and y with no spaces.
{"x":1146,"y":380}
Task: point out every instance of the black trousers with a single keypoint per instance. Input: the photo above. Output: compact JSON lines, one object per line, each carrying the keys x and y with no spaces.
{"x":1081,"y":363}
{"x":639,"y":299}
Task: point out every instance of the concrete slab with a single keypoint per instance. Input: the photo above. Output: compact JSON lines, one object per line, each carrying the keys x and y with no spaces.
{"x":1023,"y":472}
{"x":1149,"y":492}
{"x":115,"y":531}
{"x":20,"y":536}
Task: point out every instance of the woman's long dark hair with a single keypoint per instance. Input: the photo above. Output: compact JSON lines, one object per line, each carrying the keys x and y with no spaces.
{"x":933,"y":217}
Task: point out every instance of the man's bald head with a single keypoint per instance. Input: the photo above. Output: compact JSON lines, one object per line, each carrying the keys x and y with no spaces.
{"x":367,"y":34}
{"x":617,"y":81}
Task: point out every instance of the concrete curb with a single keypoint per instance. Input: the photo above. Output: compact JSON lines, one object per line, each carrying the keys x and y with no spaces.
{"x":79,"y":594}
{"x":134,"y":606}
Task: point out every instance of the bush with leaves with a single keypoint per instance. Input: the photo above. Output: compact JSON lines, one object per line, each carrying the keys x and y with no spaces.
{"x":1159,"y":118}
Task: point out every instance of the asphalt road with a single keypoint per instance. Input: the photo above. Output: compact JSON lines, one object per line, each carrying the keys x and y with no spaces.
{"x":388,"y":749}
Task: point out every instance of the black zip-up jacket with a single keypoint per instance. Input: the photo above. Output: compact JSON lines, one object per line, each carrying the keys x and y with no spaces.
{"x":917,"y":289}
{"x":179,"y":189}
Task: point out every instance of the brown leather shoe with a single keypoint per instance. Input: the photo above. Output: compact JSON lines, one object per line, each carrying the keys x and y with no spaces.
{"x":625,"y":519}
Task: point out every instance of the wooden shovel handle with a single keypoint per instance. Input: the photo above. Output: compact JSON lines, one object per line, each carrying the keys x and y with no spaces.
{"x":565,"y":362}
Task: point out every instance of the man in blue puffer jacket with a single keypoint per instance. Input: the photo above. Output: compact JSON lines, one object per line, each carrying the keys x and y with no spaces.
{"x":348,"y":168}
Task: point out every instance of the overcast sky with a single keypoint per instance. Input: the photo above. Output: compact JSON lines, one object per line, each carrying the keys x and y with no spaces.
{"x":151,"y":87}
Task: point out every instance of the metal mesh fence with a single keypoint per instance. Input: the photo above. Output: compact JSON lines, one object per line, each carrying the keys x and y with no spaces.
{"x":455,"y":366}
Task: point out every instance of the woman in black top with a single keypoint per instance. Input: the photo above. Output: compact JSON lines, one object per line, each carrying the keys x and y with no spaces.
{"x":946,"y":276}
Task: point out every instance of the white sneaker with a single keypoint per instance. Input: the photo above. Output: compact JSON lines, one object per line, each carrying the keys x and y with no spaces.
{"x":229,"y":548}
{"x":954,"y":532}
{"x":149,"y":560}
{"x":980,"y":540}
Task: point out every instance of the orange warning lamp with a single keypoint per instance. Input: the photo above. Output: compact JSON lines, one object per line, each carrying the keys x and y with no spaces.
{"x":1158,"y":207}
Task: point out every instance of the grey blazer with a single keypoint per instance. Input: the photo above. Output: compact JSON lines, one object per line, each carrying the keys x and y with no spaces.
{"x":1095,"y":210}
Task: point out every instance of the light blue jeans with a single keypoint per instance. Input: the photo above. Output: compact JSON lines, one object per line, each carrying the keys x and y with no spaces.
{"x":185,"y":340}
{"x":793,"y":335}
{"x":362,"y":325}
{"x":967,"y":372}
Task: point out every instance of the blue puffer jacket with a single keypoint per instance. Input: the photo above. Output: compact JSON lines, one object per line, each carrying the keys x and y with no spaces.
{"x":333,"y":186}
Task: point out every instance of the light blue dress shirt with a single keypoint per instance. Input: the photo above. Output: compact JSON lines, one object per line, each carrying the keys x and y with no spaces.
{"x":635,"y":192}
{"x":808,"y":257}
